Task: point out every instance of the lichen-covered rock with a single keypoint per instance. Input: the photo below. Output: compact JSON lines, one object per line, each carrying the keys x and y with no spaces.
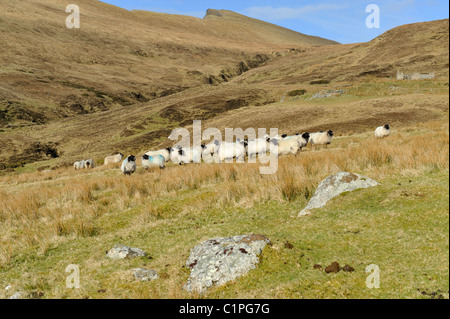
{"x":219,"y":260}
{"x":334,"y":185}
{"x":143,"y":274}
{"x":120,"y":251}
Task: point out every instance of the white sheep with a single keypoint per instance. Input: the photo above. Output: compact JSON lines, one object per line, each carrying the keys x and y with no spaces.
{"x":321,"y":138}
{"x":302,"y":139}
{"x":208,"y":150}
{"x":285,"y":146}
{"x":258,"y":146}
{"x":129,"y":165}
{"x":382,"y":131}
{"x":190,"y":155}
{"x":113,"y":159}
{"x":77,"y":165}
{"x":164,"y":152}
{"x":228,"y":151}
{"x":89,"y":163}
{"x":175,"y":155}
{"x":153,"y":161}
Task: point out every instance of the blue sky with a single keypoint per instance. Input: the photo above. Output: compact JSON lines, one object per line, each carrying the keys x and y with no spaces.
{"x":343,"y":21}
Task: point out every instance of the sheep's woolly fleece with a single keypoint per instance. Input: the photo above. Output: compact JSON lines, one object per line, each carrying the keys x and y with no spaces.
{"x":334,"y":185}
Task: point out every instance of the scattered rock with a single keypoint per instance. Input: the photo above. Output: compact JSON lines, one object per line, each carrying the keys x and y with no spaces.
{"x":348,"y":268}
{"x":335,"y":185}
{"x":120,"y":251}
{"x":219,"y":260}
{"x":143,"y":274}
{"x":17,"y":295}
{"x":8,"y":287}
{"x":101,"y":291}
{"x":333,"y":268}
{"x":288,"y":245}
{"x":317,"y":266}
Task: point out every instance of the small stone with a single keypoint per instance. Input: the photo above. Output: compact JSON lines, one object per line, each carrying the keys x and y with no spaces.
{"x":333,"y":268}
{"x":8,"y":287}
{"x":120,"y":251}
{"x":17,"y":295}
{"x":317,"y":266}
{"x":143,"y":274}
{"x":348,"y":268}
{"x":288,"y":245}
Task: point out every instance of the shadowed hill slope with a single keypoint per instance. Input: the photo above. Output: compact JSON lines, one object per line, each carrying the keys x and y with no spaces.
{"x":125,"y":79}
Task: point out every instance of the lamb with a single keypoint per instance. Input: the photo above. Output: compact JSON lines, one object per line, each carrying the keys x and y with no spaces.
{"x":382,"y":131}
{"x":321,"y":138}
{"x":129,"y":165}
{"x":113,"y":159}
{"x":208,"y":150}
{"x":153,"y":161}
{"x":164,"y":152}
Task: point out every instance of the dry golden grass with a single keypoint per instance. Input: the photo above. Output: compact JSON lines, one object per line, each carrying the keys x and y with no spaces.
{"x":44,"y":208}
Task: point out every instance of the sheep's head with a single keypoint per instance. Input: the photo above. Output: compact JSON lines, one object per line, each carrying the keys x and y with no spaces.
{"x":131,"y":158}
{"x":145,"y":157}
{"x":386,"y":126}
{"x":306,"y":136}
{"x":330,"y":132}
{"x":284,"y":135}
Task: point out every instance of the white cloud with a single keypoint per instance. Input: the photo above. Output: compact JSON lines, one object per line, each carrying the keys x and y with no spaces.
{"x":284,"y":13}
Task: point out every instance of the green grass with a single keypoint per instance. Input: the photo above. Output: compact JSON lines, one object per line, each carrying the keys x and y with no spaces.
{"x":402,"y":226}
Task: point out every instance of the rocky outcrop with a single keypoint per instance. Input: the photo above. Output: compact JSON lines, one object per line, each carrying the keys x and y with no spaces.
{"x":335,"y":185}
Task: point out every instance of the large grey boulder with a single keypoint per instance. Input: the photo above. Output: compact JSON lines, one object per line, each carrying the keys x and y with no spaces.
{"x":120,"y":251}
{"x":219,"y":260}
{"x":334,"y":185}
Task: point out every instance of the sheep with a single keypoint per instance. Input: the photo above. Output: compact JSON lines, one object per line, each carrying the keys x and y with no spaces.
{"x":89,"y":163}
{"x":302,"y":139}
{"x":190,"y":155}
{"x":228,"y":151}
{"x":78,"y":165}
{"x":129,"y":165}
{"x":164,"y":152}
{"x":113,"y":159}
{"x":321,"y":138}
{"x":285,"y":146}
{"x":175,"y":155}
{"x":382,"y":131}
{"x":153,"y":161}
{"x":258,"y":146}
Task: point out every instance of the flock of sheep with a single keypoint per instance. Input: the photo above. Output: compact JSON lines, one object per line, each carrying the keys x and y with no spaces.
{"x":223,"y":151}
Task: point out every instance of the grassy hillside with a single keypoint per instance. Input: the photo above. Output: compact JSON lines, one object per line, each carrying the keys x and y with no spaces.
{"x":51,"y":219}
